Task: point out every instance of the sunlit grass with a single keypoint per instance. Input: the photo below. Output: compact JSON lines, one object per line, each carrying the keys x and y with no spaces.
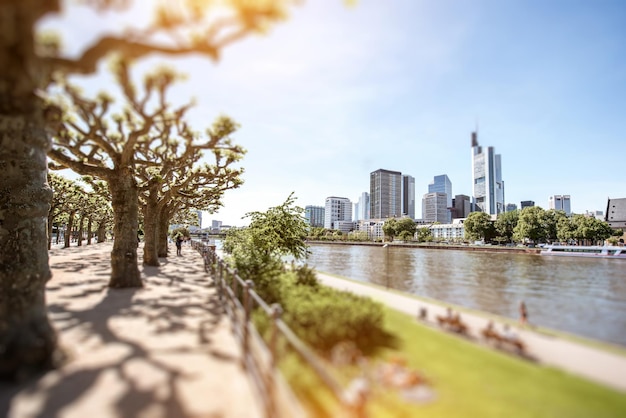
{"x":468,"y":380}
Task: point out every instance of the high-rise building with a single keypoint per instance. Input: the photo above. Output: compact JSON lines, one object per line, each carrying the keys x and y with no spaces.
{"x":408,"y":196}
{"x":561,"y":202}
{"x":362,"y":207}
{"x":435,"y":207}
{"x":385,"y":194}
{"x":510,"y":207}
{"x":314,"y":216}
{"x":526,"y":204}
{"x":337,"y":210}
{"x":488,"y":187}
{"x":442,"y":184}
{"x":461,"y":206}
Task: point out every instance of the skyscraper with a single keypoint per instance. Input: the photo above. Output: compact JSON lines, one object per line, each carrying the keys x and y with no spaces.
{"x":337,"y":210}
{"x":385,"y":194}
{"x":362,"y":207}
{"x":561,"y":202}
{"x":488,"y":187}
{"x":442,"y":184}
{"x":408,"y":196}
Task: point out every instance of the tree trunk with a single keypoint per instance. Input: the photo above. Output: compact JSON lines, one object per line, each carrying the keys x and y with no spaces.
{"x":89,"y":223}
{"x":124,"y":269}
{"x":81,"y":230}
{"x":27,"y":340}
{"x":162,"y":225}
{"x":69,"y":229}
{"x":150,"y":218}
{"x":102,"y":232}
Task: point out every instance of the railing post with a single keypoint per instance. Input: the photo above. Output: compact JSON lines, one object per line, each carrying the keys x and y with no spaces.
{"x":220,"y":280}
{"x":277,"y":311}
{"x":247,"y":306}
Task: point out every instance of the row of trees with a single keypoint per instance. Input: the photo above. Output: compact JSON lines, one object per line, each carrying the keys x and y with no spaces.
{"x":143,"y":152}
{"x":536,"y":225}
{"x":69,"y":202}
{"x":126,"y":150}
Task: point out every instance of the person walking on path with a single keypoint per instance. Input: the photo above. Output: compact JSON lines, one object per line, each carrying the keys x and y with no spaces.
{"x":523,"y":313}
{"x":179,"y":245}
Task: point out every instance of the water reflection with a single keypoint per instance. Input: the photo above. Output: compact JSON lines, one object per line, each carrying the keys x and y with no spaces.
{"x":577,"y":295}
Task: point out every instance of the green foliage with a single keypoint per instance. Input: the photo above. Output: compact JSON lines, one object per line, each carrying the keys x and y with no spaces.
{"x":320,"y":316}
{"x":505,"y":225}
{"x":324,"y":317}
{"x":552,"y":218}
{"x":424,"y":234}
{"x":531,"y":225}
{"x":478,"y":226}
{"x":395,"y":227}
{"x":183,"y":232}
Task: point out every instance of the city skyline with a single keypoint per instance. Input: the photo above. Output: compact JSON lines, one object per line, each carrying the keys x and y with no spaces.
{"x":336,"y":92}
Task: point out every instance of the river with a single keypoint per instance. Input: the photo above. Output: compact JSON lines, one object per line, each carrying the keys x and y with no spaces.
{"x":581,"y":296}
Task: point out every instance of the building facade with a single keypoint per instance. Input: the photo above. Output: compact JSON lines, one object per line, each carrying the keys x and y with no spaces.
{"x":510,"y":207}
{"x":615,"y":213}
{"x":314,"y":216}
{"x":385,"y":194}
{"x":561,"y":202}
{"x":337,"y":210}
{"x":488,"y":186}
{"x":408,"y":196}
{"x":452,"y":232}
{"x":461,"y":206}
{"x":527,"y":204}
{"x":435,"y":207}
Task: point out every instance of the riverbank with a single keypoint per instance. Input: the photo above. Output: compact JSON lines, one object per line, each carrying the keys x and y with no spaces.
{"x":431,"y":246}
{"x":606,"y":367}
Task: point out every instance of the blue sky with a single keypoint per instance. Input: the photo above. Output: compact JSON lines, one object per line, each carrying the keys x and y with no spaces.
{"x":337,"y":92}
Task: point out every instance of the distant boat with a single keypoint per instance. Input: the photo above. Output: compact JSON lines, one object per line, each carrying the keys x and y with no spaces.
{"x":594,"y":251}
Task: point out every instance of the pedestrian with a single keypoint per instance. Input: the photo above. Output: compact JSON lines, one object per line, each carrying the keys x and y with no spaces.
{"x":179,"y":245}
{"x":523,"y":313}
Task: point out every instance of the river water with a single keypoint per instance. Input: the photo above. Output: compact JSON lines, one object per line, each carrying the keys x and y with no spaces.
{"x":581,"y":296}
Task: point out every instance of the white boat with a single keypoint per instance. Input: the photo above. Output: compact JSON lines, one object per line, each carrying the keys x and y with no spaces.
{"x":595,"y":251}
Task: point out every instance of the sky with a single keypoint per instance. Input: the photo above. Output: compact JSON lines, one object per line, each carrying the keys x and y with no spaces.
{"x":337,"y":92}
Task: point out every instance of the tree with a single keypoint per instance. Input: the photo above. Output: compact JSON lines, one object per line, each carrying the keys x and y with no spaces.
{"x":390,"y":228}
{"x":478,"y":226}
{"x":552,"y":218}
{"x":403,"y":227}
{"x":65,"y":192}
{"x":257,"y":250}
{"x":424,"y":234}
{"x":505,"y":225}
{"x":27,"y":341}
{"x":175,"y":183}
{"x":531,"y":225}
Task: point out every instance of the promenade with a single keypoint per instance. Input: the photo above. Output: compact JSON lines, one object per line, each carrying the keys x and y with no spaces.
{"x":162,"y":351}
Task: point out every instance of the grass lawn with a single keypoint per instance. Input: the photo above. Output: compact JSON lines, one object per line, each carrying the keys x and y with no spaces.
{"x":468,"y":380}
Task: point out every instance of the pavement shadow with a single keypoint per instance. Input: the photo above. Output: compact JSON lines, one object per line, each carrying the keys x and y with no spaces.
{"x":165,"y":309}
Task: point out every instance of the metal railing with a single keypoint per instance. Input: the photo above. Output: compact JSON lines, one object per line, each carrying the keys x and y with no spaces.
{"x":258,"y":358}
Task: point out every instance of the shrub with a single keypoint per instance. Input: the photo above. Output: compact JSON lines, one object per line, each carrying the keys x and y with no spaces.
{"x":323,"y":317}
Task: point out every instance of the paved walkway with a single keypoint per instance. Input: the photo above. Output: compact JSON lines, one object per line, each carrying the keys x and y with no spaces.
{"x":164,"y":351}
{"x":595,"y":364}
